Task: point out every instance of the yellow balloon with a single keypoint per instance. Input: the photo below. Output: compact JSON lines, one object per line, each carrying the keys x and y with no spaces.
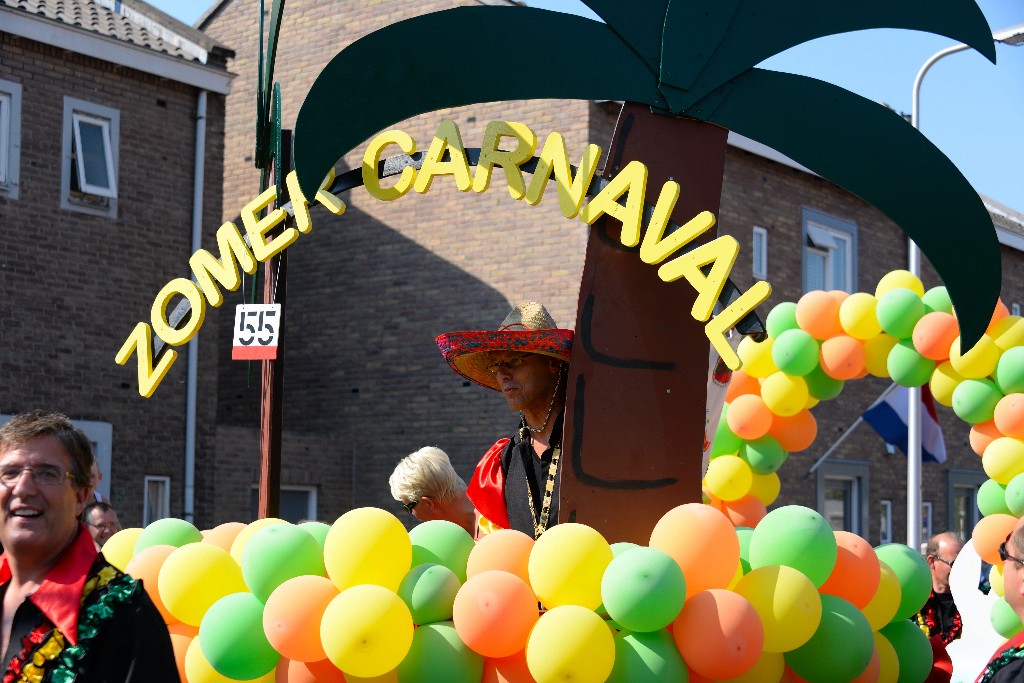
{"x":367,"y":545}
{"x":784,"y":394}
{"x":1008,"y":332}
{"x":728,"y":477}
{"x":883,"y":606}
{"x":736,"y":577}
{"x":570,"y":643}
{"x":888,"y":660}
{"x":897,"y":279}
{"x":857,"y":316}
{"x":876,"y":354}
{"x":765,"y":487}
{"x":757,"y":357}
{"x":194,"y":577}
{"x":199,"y":670}
{"x":366,"y":630}
{"x":978,"y":362}
{"x":120,"y":548}
{"x":238,"y":545}
{"x":944,"y":381}
{"x":787,"y":602}
{"x":566,"y":565}
{"x":995,"y":579}
{"x":1003,"y":459}
{"x":811,"y":402}
{"x":768,"y":669}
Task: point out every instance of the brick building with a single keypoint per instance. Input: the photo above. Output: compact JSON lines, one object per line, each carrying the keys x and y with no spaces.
{"x":100,"y":106}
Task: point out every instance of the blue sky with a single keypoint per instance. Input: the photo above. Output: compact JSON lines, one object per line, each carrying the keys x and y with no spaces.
{"x":972,"y":110}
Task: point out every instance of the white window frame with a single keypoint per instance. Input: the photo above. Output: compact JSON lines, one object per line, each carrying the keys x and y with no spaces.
{"x":963,"y":480}
{"x":859,"y":474}
{"x":885,"y":530}
{"x":101,"y":435}
{"x":311,"y":505}
{"x":1015,"y":309}
{"x":10,"y":138}
{"x":927,"y":519}
{"x":759,"y":267}
{"x":820,"y":235}
{"x":93,"y":200}
{"x":77,"y":119}
{"x":163,"y":503}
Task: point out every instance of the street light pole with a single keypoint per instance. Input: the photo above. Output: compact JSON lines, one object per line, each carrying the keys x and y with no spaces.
{"x":1013,"y":35}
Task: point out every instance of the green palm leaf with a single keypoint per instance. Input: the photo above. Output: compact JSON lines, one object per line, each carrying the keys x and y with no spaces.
{"x":874,"y":153}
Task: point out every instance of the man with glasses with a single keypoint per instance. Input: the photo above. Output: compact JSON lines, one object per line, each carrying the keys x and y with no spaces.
{"x":426,"y":485}
{"x":515,"y":484}
{"x":65,"y":612}
{"x":101,"y":518}
{"x":1007,"y":664}
{"x":939,"y":618}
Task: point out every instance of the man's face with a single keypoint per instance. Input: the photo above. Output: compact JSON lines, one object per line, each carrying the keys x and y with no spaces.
{"x":1013,"y":574}
{"x":942,"y":563}
{"x":102,"y":524}
{"x":529,"y":385}
{"x":37,"y":520}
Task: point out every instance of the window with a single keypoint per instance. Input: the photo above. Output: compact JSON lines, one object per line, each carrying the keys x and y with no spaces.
{"x":842,"y":494}
{"x":1014,"y":309}
{"x":90,"y":158}
{"x":156,"y":500}
{"x":298,"y":503}
{"x":926,"y":520}
{"x":962,"y":510}
{"x":101,"y":435}
{"x":759,"y":270}
{"x":829,"y":252}
{"x":885,"y":517}
{"x":10,"y":138}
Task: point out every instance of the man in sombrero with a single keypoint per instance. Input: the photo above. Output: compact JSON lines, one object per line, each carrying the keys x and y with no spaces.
{"x":515,"y":484}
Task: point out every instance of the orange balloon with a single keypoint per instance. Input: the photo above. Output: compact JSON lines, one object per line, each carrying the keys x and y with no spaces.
{"x":719,"y":634}
{"x":856,"y":573}
{"x":507,"y":550}
{"x":748,"y":417}
{"x":740,"y":384}
{"x":223,"y":535}
{"x":494,"y":613}
{"x":1000,"y":312}
{"x":1009,"y":415}
{"x":870,"y":674}
{"x":290,"y":671}
{"x":695,"y":676}
{"x":511,"y":669}
{"x":842,"y":357}
{"x":181,"y":637}
{"x":788,"y":676}
{"x":292,"y":616}
{"x":145,"y":566}
{"x":934,"y":333}
{"x":747,"y":511}
{"x":687,"y":533}
{"x":989,"y":533}
{"x":982,"y":434}
{"x":839,"y":295}
{"x":817,"y":313}
{"x":795,"y":432}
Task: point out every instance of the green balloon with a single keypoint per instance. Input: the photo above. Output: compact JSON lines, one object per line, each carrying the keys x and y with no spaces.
{"x":914,"y":576}
{"x":781,"y":318}
{"x":232,"y":638}
{"x":442,"y":542}
{"x":744,"y":533}
{"x":622,"y":547}
{"x":429,"y":590}
{"x":277,"y":553}
{"x":974,"y":400}
{"x":1014,"y":495}
{"x":913,"y":650}
{"x":726,"y":442}
{"x":795,"y":352}
{"x":317,"y":530}
{"x":1004,"y":620}
{"x":643,"y":589}
{"x":907,"y":367}
{"x":168,"y":531}
{"x":898,"y":311}
{"x":821,"y":386}
{"x":937,"y":299}
{"x":1009,"y":374}
{"x":992,"y":499}
{"x":438,"y":655}
{"x":763,"y":454}
{"x":840,"y":648}
{"x":797,"y":537}
{"x":651,"y":657}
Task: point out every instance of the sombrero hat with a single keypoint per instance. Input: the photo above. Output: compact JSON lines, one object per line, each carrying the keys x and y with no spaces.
{"x":528,"y":328}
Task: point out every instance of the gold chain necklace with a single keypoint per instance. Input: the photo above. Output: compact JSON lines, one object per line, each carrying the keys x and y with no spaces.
{"x":540,"y":525}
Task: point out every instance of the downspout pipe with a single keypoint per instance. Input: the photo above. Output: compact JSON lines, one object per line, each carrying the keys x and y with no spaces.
{"x":193,"y":345}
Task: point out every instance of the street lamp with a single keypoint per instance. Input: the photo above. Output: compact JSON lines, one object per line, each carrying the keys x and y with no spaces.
{"x":1014,"y":35}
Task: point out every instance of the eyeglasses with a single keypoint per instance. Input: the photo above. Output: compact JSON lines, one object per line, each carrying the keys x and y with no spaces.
{"x":508,"y":363}
{"x":1004,"y":556}
{"x":946,"y":562}
{"x":109,"y":526}
{"x":409,"y":506}
{"x":43,"y":475}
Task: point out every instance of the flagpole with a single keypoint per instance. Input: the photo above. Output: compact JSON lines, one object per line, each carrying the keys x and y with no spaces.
{"x":835,"y":445}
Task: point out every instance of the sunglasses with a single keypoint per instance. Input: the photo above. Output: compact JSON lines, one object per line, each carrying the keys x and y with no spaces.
{"x":409,"y":506}
{"x":1004,"y":556}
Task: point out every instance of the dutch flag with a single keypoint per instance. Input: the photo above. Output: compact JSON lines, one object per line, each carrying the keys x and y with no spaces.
{"x":888,"y":417}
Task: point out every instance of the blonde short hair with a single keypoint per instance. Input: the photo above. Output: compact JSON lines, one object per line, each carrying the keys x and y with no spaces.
{"x":427,"y":472}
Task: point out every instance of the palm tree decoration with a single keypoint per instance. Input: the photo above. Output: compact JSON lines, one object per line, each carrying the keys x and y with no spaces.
{"x":685,"y":70}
